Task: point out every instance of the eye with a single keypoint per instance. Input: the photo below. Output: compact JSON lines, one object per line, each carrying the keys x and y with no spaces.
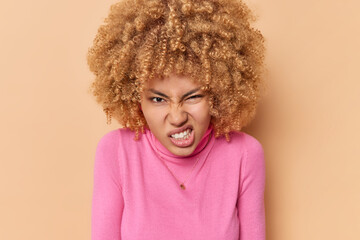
{"x":194,"y":97}
{"x":157,"y":99}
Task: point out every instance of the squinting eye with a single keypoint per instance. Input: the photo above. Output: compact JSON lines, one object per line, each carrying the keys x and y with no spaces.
{"x":194,"y":97}
{"x":157,"y":99}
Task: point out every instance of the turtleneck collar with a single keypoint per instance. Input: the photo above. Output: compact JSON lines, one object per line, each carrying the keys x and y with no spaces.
{"x":205,"y":143}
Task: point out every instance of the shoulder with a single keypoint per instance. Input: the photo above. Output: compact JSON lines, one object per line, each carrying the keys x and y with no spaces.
{"x":240,"y":144}
{"x":253,"y":151}
{"x":251,"y":145}
{"x":108,"y":149}
{"x":246,"y":145}
{"x":113,"y":138}
{"x":243,"y":141}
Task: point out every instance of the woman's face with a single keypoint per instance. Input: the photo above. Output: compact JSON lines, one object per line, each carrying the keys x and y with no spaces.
{"x":177,"y":113}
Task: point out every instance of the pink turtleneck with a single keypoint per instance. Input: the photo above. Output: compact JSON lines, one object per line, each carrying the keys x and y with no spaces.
{"x":135,"y":196}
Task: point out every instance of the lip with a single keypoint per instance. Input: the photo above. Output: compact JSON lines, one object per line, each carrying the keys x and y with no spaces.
{"x":178,"y":130}
{"x":184,"y":142}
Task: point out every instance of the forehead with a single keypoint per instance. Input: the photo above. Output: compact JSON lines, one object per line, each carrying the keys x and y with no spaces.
{"x":173,"y":83}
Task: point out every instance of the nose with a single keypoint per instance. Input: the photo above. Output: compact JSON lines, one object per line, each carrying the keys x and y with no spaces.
{"x":177,"y":116}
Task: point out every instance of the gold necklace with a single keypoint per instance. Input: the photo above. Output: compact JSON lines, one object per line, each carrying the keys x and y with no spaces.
{"x":182,"y":184}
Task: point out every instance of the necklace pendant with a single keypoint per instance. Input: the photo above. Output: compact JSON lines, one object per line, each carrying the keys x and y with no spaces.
{"x":182,"y":186}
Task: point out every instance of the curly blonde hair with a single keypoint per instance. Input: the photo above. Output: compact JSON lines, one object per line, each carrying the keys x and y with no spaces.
{"x":211,"y":42}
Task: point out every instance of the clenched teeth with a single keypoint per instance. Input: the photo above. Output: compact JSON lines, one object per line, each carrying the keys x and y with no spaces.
{"x":183,"y":135}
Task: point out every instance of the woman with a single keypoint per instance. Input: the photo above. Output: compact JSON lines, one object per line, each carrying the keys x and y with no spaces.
{"x":183,"y":77}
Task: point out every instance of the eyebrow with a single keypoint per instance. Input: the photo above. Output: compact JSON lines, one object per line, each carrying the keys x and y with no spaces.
{"x":184,"y":96}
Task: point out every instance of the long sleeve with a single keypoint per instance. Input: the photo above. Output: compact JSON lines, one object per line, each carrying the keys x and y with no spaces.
{"x":107,"y":201}
{"x":251,"y":193}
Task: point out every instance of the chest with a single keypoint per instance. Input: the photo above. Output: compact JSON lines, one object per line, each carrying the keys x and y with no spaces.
{"x":155,"y":207}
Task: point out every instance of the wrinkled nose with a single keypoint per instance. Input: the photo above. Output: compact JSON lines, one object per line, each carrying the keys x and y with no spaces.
{"x":177,"y":116}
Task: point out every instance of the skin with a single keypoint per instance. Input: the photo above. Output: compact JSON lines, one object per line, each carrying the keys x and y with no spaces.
{"x":174,"y":102}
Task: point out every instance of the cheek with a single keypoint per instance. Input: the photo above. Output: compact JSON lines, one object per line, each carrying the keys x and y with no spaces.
{"x":200,"y":112}
{"x":153,"y":115}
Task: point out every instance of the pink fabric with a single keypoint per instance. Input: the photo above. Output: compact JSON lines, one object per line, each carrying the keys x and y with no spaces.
{"x":136,"y":197}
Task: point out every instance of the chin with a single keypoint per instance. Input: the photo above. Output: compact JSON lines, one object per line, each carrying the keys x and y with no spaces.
{"x":182,"y":151}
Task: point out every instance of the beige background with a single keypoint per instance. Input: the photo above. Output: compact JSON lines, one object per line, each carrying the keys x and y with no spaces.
{"x":308,"y":123}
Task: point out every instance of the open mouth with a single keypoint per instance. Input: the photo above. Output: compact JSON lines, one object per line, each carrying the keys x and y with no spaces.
{"x":182,"y":135}
{"x":183,"y":139}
